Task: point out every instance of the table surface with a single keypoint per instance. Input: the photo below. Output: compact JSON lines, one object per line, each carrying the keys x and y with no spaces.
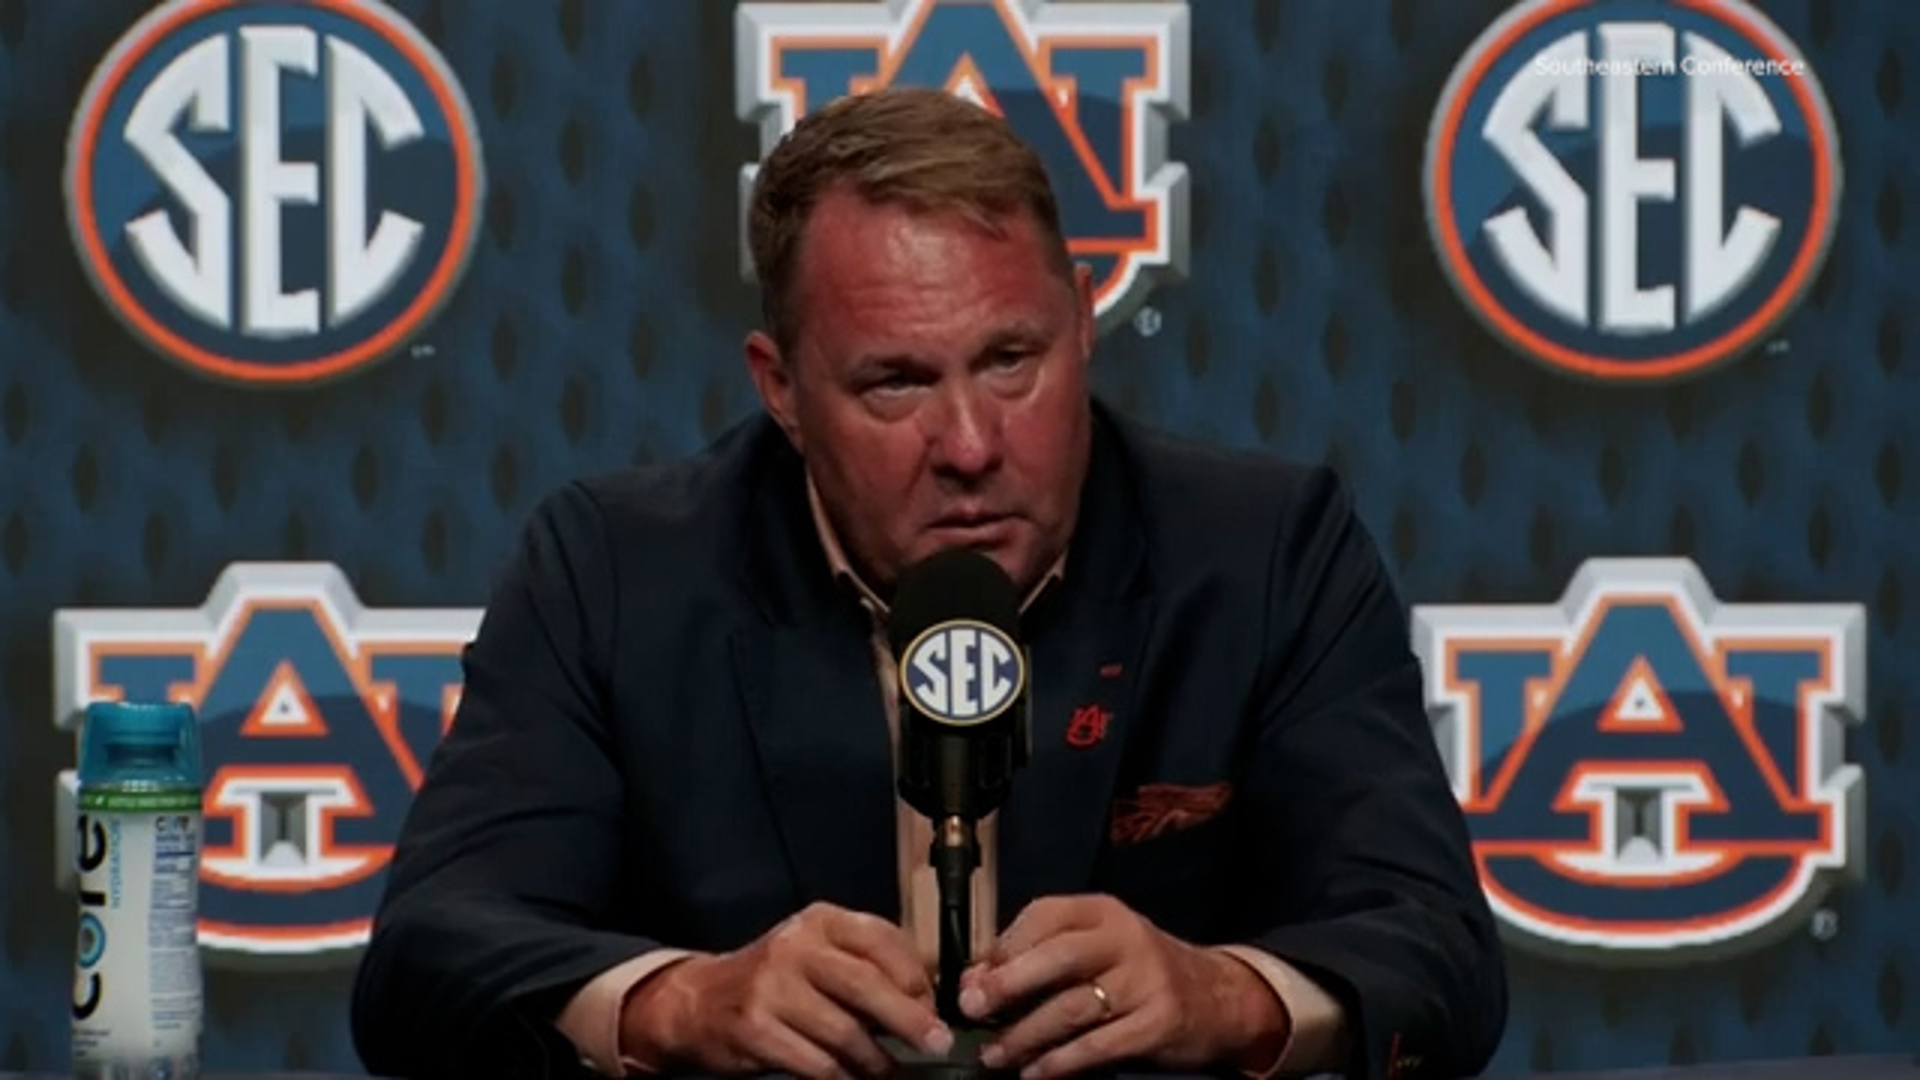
{"x":1882,"y":1067}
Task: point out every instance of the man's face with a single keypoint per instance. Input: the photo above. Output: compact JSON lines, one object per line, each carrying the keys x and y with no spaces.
{"x":937,"y":386}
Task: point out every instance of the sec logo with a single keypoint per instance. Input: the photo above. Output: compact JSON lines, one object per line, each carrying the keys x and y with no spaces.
{"x":274,"y":193}
{"x":963,"y":672}
{"x":1632,"y":190}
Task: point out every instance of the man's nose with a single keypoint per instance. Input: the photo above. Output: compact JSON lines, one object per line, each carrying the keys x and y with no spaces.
{"x":967,"y":439}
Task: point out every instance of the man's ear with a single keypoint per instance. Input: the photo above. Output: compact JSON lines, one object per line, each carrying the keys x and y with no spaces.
{"x":772,"y":375}
{"x":1083,"y":295}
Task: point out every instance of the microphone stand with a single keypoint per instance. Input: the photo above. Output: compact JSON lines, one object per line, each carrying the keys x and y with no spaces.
{"x":955,"y":855}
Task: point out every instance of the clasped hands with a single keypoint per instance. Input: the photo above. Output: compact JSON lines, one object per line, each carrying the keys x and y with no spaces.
{"x":1074,"y":983}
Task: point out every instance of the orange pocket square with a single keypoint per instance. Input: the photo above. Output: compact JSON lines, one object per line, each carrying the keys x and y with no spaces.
{"x":1157,"y":809}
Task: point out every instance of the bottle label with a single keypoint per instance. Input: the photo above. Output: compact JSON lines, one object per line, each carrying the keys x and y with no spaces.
{"x":137,"y":996}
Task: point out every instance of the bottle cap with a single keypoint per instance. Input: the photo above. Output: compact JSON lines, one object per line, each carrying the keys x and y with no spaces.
{"x":157,"y":727}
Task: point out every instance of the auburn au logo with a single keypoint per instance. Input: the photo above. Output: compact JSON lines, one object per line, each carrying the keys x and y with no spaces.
{"x":317,"y":718}
{"x":1090,"y":87}
{"x":1646,"y":770}
{"x":274,"y":193}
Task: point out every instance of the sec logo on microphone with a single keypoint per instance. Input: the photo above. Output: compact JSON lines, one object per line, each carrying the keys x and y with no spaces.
{"x":1632,"y":190}
{"x":963,"y":672}
{"x":274,"y":193}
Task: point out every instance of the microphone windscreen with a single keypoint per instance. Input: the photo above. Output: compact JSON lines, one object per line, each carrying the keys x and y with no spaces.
{"x":958,"y":583}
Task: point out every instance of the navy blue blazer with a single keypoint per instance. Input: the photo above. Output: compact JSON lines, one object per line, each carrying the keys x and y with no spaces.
{"x":670,"y":734}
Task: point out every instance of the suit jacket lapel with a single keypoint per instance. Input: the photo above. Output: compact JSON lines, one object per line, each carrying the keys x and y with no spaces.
{"x":1054,"y":825}
{"x":821,"y":735}
{"x":1088,"y":639}
{"x":806,"y":673}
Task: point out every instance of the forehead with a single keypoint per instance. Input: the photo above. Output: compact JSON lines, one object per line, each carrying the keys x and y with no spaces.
{"x":854,"y":248}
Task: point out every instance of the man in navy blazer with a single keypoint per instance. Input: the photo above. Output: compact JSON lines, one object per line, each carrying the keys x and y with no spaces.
{"x":663,"y":832}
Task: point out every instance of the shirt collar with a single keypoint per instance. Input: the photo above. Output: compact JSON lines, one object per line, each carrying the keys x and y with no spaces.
{"x":843,"y":572}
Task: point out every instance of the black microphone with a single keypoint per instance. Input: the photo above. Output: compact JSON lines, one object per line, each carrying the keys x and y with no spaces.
{"x":954,"y":627}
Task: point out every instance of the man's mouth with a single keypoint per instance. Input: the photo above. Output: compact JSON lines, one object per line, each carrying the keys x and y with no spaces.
{"x":968,"y":519}
{"x":973,"y":524}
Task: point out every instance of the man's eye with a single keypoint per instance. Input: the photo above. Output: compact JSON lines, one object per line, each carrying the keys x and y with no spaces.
{"x":893,"y":384}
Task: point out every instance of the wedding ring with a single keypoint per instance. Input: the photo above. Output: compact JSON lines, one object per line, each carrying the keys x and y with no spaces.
{"x":1100,"y":995}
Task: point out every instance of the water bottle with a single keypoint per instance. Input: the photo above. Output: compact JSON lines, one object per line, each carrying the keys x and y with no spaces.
{"x":137,"y":1000}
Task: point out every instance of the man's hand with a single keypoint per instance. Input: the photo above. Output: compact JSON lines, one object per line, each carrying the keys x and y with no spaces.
{"x":1094,"y":983}
{"x":803,"y":999}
